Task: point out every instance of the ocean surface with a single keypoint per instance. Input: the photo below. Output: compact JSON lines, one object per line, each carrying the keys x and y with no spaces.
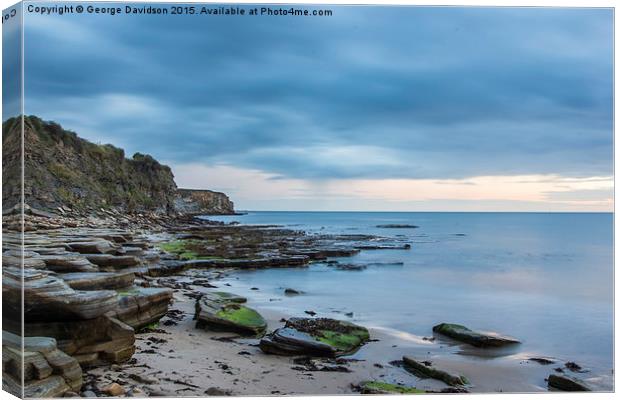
{"x":544,"y":278}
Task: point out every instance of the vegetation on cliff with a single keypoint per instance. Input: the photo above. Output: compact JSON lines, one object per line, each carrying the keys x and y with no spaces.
{"x":63,"y":170}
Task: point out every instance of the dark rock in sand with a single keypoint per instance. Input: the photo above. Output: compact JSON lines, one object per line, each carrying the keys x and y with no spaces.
{"x":46,"y":371}
{"x":315,"y":337}
{"x":541,"y":360}
{"x":478,"y":339}
{"x":567,"y":384}
{"x":424,"y":371}
{"x":225,"y":312}
{"x":292,"y":292}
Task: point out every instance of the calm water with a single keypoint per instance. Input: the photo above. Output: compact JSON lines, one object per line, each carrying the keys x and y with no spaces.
{"x":546,"y":279}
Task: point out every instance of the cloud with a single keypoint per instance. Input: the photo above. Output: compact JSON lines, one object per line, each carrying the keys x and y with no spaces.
{"x":369,"y":93}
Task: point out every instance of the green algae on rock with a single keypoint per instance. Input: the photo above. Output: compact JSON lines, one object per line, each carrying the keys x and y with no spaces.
{"x":424,"y":371}
{"x":315,"y":336}
{"x":478,"y":339}
{"x":376,"y":387}
{"x":224,"y":311}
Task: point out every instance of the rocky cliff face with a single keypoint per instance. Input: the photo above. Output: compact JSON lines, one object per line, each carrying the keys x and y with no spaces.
{"x":63,"y":170}
{"x":191,"y":201}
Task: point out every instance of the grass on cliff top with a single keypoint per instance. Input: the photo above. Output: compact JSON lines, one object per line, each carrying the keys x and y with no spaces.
{"x":390,"y":388}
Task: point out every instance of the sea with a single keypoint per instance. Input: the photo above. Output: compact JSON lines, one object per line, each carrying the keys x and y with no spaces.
{"x":544,"y":278}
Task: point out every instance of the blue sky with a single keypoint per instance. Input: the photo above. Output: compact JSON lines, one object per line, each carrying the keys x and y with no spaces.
{"x":373,"y":108}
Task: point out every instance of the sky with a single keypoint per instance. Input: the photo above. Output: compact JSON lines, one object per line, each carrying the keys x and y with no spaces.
{"x":371,"y":109}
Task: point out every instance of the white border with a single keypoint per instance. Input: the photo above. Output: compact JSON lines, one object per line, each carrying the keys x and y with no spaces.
{"x":483,"y":3}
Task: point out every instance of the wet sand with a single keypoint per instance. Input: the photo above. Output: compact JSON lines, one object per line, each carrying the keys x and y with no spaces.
{"x":177,"y":359}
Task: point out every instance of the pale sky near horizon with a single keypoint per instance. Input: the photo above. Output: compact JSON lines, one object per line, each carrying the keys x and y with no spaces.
{"x":373,"y":108}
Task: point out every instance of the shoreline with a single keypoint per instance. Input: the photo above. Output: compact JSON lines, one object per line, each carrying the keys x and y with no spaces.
{"x":205,"y":362}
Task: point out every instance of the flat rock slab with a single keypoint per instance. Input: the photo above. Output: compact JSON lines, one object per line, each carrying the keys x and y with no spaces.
{"x":478,"y":339}
{"x":226,"y":312}
{"x":99,"y":280}
{"x":94,"y":247}
{"x":139,"y":307}
{"x":47,"y":297}
{"x":67,"y":262}
{"x":109,"y":260}
{"x":315,"y":337}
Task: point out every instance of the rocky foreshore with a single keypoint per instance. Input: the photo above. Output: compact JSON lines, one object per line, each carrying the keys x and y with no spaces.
{"x":132,"y":305}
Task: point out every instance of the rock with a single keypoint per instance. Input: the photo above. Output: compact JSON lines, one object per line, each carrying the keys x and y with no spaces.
{"x":310,"y":312}
{"x":70,"y":394}
{"x":215,"y":391}
{"x":292,"y":292}
{"x":139,"y":306}
{"x":136,"y":392}
{"x":351,"y":267}
{"x":224,"y":311}
{"x":101,"y":246}
{"x":113,"y":389}
{"x":67,"y":262}
{"x":89,"y":393}
{"x":108,"y":260}
{"x":398,"y":226}
{"x":541,"y":360}
{"x":315,"y":337}
{"x":99,"y":280}
{"x":375,"y":387}
{"x":406,"y":246}
{"x":47,"y":371}
{"x":567,"y":384}
{"x":91,"y":342}
{"x":47,"y":297}
{"x":573,"y":366}
{"x":478,"y":339}
{"x":143,"y":379}
{"x":423,"y":371}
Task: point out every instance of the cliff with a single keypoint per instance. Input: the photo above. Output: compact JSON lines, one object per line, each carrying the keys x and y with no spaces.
{"x":63,"y":170}
{"x":191,"y":201}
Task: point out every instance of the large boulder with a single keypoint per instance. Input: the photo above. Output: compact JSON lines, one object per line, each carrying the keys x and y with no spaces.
{"x":45,"y":370}
{"x":225,"y":311}
{"x":478,"y":339}
{"x":322,"y":337}
{"x":47,"y":297}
